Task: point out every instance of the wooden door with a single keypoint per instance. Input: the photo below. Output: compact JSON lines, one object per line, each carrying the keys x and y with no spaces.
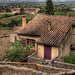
{"x":47,"y":52}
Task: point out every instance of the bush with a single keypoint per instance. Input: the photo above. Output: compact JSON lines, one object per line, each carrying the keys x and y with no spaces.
{"x":20,"y":13}
{"x":13,"y":23}
{"x":18,"y":53}
{"x":6,"y":15}
{"x":70,"y":59}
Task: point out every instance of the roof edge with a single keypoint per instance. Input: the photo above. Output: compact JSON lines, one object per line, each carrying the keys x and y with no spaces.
{"x":47,"y":45}
{"x":29,"y":35}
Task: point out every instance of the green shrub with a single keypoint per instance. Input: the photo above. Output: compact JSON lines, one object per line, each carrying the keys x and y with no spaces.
{"x":70,"y":59}
{"x":17,"y":53}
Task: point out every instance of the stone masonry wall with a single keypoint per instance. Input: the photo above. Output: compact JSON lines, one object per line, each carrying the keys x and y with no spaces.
{"x":4,"y":43}
{"x":13,"y":70}
{"x":19,"y":68}
{"x":54,"y":64}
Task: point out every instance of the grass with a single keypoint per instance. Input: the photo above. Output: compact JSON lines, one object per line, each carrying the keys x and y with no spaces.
{"x":64,"y":13}
{"x":7,"y":20}
{"x":2,"y":15}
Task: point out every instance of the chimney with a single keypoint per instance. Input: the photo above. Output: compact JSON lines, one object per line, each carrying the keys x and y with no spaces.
{"x":69,"y":15}
{"x":23,"y":21}
{"x":49,"y":25}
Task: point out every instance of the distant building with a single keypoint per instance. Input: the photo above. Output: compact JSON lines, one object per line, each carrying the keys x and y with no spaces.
{"x":26,"y":10}
{"x":73,"y":9}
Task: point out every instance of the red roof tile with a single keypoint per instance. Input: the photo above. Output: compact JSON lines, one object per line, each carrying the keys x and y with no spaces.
{"x":5,"y":32}
{"x":60,"y":25}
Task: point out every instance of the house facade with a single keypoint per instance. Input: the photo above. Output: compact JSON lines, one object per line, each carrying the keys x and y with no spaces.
{"x":51,"y":36}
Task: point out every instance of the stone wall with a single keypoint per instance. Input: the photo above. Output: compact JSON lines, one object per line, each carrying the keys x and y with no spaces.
{"x":54,"y":64}
{"x":73,"y":35}
{"x":19,"y":68}
{"x":64,"y":48}
{"x":13,"y":70}
{"x":4,"y":43}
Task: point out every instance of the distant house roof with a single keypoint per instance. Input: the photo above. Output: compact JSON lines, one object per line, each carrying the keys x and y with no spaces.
{"x":17,"y":28}
{"x":3,"y":32}
{"x":38,"y":26}
{"x":73,"y":8}
{"x":26,"y":9}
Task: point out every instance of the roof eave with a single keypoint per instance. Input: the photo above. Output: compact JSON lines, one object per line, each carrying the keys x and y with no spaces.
{"x":28,"y":35}
{"x":48,"y":45}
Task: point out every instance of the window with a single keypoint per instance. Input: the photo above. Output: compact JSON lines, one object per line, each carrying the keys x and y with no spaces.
{"x":31,"y":42}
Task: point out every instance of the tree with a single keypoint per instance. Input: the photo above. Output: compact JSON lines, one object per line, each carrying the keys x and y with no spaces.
{"x":49,"y":7}
{"x":17,"y":53}
{"x":22,"y":10}
{"x":8,"y":10}
{"x":13,"y":23}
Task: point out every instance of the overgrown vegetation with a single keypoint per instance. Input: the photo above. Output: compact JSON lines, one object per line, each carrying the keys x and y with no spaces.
{"x":14,"y":20}
{"x":70,"y":59}
{"x":17,"y":53}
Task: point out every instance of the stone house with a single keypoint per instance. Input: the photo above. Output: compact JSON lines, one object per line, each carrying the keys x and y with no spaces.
{"x":50,"y":35}
{"x":26,"y":10}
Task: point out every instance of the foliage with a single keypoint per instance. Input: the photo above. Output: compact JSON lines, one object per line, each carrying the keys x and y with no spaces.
{"x":49,"y":7}
{"x":13,"y":23}
{"x":6,"y":15}
{"x":17,"y":53}
{"x":14,"y":20}
{"x":21,"y":10}
{"x":7,"y":9}
{"x":70,"y":59}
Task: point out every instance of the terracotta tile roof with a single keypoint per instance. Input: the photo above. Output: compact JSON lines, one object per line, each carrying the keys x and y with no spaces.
{"x":6,"y":32}
{"x":26,"y":9}
{"x":16,"y":28}
{"x":60,"y":26}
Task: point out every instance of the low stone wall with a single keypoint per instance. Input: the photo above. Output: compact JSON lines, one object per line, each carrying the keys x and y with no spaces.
{"x":63,"y":65}
{"x":31,"y":68}
{"x":4,"y":43}
{"x":54,"y":64}
{"x":13,"y":70}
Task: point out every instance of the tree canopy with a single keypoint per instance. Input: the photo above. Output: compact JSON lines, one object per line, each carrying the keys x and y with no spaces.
{"x":21,"y":10}
{"x":49,"y":8}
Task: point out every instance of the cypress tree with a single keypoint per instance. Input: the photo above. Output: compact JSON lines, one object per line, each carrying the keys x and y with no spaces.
{"x":49,"y":8}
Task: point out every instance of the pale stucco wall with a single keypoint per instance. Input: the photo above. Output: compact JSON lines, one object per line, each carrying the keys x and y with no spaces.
{"x":41,"y":51}
{"x":54,"y":52}
{"x":29,"y":37}
{"x":13,"y":38}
